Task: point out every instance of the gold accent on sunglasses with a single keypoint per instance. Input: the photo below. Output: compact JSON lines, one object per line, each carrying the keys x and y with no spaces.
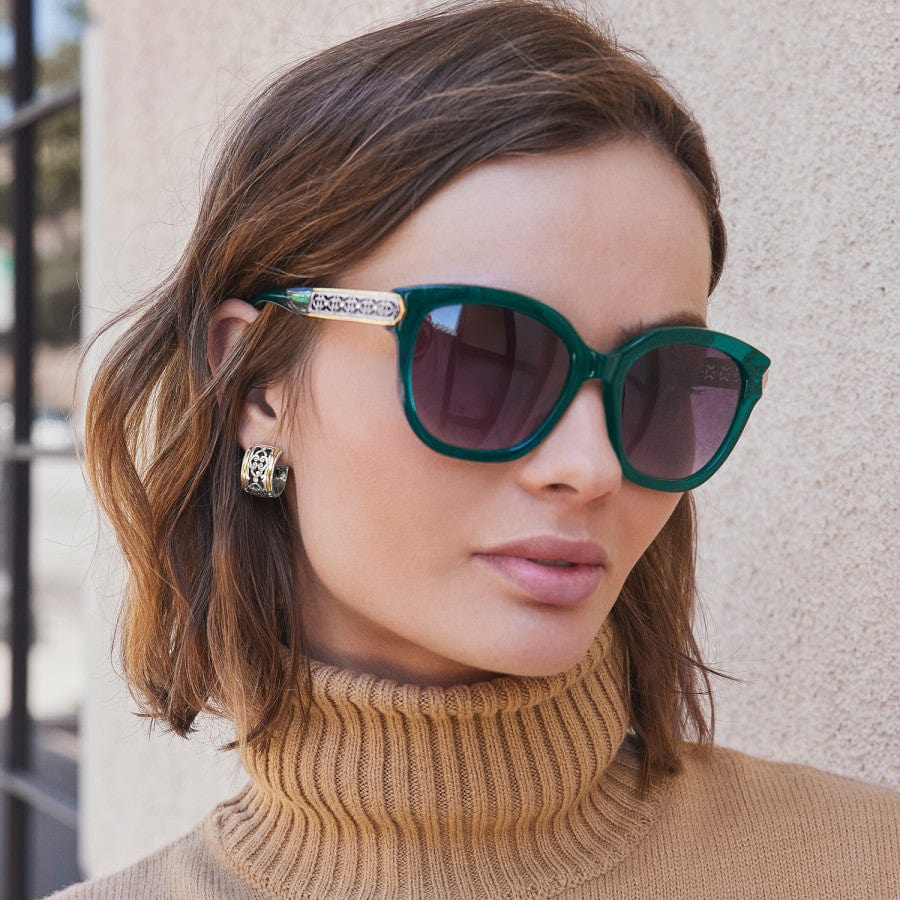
{"x":376,"y":307}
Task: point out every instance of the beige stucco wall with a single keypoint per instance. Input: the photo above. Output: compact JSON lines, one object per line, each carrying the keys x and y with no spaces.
{"x":799,"y":567}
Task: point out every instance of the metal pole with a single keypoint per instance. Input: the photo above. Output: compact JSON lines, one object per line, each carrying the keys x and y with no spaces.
{"x":18,"y":750}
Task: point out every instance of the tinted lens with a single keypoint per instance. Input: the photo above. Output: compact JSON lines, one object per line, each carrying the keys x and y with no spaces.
{"x":485,"y":377}
{"x":677,"y":407}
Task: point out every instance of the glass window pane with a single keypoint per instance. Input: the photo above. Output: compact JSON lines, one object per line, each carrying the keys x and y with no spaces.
{"x":57,"y":251}
{"x":7,"y":50}
{"x":52,"y":855}
{"x":57,"y":39}
{"x":61,"y":547}
{"x":7,"y":312}
{"x":6,"y":408}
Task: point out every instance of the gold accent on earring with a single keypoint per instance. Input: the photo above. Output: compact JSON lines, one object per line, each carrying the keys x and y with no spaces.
{"x":260,"y":476}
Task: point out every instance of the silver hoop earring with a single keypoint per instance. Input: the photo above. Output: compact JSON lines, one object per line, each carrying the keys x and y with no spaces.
{"x":260,"y":476}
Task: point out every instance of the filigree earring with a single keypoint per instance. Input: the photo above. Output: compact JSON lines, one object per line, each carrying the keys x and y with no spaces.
{"x":260,"y":476}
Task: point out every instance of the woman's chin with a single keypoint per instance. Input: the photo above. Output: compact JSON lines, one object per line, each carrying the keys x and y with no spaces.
{"x":551,"y":657}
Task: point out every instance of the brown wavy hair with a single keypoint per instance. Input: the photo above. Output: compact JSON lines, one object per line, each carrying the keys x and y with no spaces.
{"x":322,"y":165}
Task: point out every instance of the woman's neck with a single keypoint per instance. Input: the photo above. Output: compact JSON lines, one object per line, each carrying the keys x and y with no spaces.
{"x":511,"y":782}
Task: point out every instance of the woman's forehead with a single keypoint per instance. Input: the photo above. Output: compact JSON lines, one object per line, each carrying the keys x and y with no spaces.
{"x":614,"y":227}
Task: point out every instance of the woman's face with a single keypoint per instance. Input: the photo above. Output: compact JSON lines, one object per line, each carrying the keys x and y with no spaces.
{"x":612,"y":237}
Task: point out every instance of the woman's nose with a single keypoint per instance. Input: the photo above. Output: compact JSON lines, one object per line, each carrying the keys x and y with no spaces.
{"x":577,"y":452}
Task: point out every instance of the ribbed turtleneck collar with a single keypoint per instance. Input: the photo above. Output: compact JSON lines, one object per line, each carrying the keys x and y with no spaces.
{"x":515,"y":786}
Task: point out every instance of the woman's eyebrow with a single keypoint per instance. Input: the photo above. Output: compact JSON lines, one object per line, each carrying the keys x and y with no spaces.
{"x":679,"y":318}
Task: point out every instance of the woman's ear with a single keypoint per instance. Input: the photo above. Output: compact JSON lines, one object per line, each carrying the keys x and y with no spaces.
{"x":227,"y":325}
{"x":262,"y":408}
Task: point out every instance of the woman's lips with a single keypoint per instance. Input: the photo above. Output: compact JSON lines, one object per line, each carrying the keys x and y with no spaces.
{"x":561,"y":585}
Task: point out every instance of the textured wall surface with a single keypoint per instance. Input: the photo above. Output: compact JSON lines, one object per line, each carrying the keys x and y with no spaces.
{"x":799,"y":567}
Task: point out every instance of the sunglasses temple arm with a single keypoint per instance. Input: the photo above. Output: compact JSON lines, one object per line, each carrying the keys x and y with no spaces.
{"x":368,"y":307}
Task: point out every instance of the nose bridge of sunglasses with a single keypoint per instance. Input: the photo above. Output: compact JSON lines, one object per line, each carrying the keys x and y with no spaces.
{"x":592,"y":365}
{"x":598,"y":365}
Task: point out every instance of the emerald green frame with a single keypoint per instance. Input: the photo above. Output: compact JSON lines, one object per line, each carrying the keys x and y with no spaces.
{"x":403,"y":310}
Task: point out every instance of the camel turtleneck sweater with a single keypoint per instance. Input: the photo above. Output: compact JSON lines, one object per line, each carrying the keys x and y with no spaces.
{"x":515,"y":787}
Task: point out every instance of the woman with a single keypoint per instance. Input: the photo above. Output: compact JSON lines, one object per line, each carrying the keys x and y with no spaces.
{"x":400,"y":460}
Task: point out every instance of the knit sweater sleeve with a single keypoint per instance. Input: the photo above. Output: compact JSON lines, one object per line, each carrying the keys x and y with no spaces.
{"x":740,"y":826}
{"x":192,"y":867}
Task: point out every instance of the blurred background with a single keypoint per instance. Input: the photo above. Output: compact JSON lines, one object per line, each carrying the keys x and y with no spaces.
{"x":107,"y":111}
{"x":42,"y":493}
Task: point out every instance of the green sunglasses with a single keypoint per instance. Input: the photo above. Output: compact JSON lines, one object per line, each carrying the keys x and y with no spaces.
{"x":486,"y":374}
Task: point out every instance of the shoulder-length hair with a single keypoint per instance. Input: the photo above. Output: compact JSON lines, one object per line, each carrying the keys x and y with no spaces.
{"x":322,"y":165}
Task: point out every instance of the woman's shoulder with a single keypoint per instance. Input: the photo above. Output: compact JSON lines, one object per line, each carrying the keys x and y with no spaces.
{"x":736,"y":777}
{"x":786,"y":822}
{"x":191,"y":867}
